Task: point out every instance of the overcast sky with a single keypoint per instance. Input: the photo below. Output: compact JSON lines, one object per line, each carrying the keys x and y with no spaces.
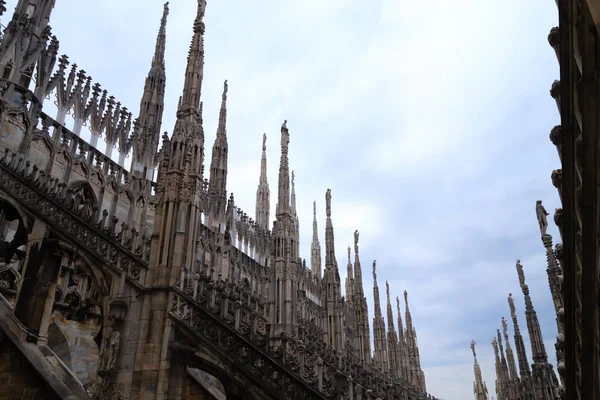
{"x":429,"y":121}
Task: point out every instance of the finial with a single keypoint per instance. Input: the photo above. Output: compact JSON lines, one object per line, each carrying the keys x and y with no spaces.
{"x":293,"y":177}
{"x":387,"y":289}
{"x":264,"y":147}
{"x":356,"y":235}
{"x":398,"y":303}
{"x":406,"y":297}
{"x":473,"y":348}
{"x":504,"y":327}
{"x":315,"y":210}
{"x":328,"y":203}
{"x":349,"y":249}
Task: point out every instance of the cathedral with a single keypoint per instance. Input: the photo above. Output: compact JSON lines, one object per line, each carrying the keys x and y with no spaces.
{"x":150,"y":282}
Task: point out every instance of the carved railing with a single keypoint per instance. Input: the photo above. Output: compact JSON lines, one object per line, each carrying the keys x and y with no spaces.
{"x":219,"y":314}
{"x":49,"y":200}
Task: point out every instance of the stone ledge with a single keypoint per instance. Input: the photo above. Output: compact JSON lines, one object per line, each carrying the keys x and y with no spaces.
{"x":56,"y":375}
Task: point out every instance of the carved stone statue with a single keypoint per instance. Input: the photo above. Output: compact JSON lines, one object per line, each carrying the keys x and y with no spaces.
{"x":111,"y":350}
{"x":541,"y":214}
{"x":520,"y":273}
{"x":356,"y":235}
{"x":225,"y":88}
{"x":504,"y":327}
{"x":473,"y":348}
{"x":285,"y":136}
{"x":264,"y":147}
{"x":374,"y":269}
{"x":511,"y":304}
{"x":328,"y":202}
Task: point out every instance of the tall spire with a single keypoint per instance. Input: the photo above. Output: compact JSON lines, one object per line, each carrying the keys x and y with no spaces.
{"x":147,"y":130}
{"x":332,"y":283}
{"x":503,"y":365}
{"x":499,"y":386}
{"x":538,"y":348}
{"x":315,"y":247}
{"x":512,"y":367}
{"x":218,"y":170}
{"x":349,"y":279}
{"x":361,"y":307}
{"x":404,"y":363}
{"x":283,"y":195}
{"x":479,"y":386}
{"x":330,"y":261}
{"x":393,"y":350}
{"x":161,"y":39}
{"x":263,"y":194}
{"x":416,"y":374}
{"x":543,"y":379}
{"x":194,"y":72}
{"x":381,"y":355}
{"x":519,"y":342}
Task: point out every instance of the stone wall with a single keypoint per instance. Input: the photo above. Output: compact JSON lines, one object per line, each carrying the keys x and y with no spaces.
{"x":194,"y":391}
{"x":18,"y":379}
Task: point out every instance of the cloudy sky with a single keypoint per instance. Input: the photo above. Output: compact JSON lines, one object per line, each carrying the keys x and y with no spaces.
{"x":428,"y":120}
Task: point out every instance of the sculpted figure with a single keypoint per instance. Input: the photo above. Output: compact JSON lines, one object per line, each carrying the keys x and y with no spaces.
{"x":285,"y":136}
{"x":504,"y":327}
{"x":541,"y":213}
{"x":520,"y":273}
{"x":511,"y":304}
{"x":112,"y":348}
{"x":473,"y":348}
{"x":328,"y":202}
{"x":374,"y":269}
{"x":264,"y":147}
{"x":356,"y":234}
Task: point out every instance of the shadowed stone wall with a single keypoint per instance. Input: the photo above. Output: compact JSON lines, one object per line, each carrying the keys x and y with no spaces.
{"x":18,"y":378}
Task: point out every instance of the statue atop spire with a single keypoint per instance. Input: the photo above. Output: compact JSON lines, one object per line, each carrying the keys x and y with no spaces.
{"x":473,"y":348}
{"x":356,"y":234}
{"x":285,"y":135}
{"x":511,"y":304}
{"x":375,"y":271}
{"x":328,"y":203}
{"x":520,"y":273}
{"x":541,"y":214}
